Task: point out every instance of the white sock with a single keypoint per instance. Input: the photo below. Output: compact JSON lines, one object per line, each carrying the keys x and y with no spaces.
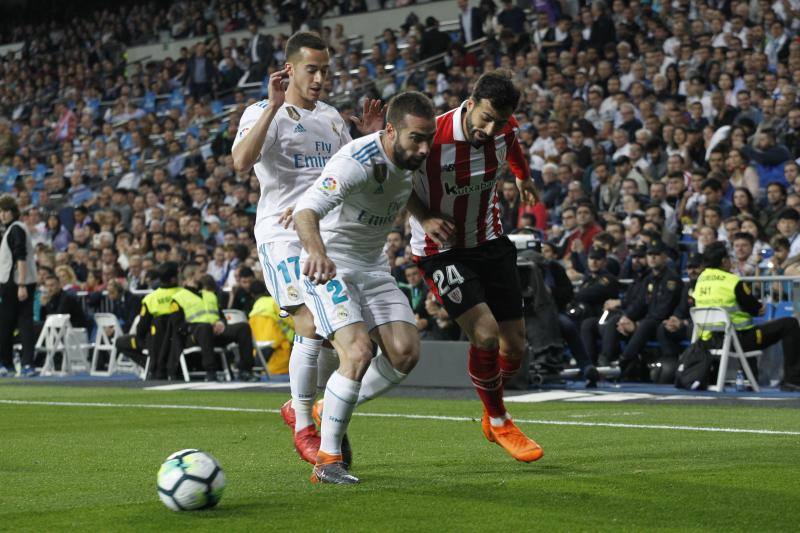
{"x":380,"y":377}
{"x":303,"y":379}
{"x":327,"y":363}
{"x":341,"y":395}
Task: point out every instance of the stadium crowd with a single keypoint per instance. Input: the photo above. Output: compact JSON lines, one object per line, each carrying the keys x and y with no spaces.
{"x":656,"y":127}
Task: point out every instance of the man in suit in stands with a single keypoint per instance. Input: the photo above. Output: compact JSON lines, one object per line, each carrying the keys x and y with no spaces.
{"x":54,"y":301}
{"x":260,"y":51}
{"x":434,"y":41}
{"x":470,"y":21}
{"x":201,"y":74}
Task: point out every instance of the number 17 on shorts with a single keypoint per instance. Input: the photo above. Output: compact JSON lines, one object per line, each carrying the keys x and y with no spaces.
{"x":280,"y":262}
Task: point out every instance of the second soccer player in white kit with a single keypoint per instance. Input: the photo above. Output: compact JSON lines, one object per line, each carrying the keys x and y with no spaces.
{"x":342,"y":222}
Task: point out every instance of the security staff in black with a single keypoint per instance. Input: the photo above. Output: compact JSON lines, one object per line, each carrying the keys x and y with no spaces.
{"x":678,"y":327}
{"x":616,"y":307}
{"x":152,"y":329}
{"x":197,"y":314}
{"x":717,"y":287}
{"x":597,"y":286}
{"x":663,"y":293}
{"x":17,"y":288}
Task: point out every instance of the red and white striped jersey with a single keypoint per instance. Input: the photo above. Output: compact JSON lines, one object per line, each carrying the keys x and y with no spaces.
{"x":459,"y":180}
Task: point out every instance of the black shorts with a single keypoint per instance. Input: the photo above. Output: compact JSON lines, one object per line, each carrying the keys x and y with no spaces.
{"x":465,"y":277}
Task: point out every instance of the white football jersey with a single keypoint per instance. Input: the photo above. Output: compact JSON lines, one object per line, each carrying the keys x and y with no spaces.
{"x":298,"y":144}
{"x":357,"y":197}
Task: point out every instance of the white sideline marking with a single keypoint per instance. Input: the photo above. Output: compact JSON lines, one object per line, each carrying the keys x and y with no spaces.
{"x":408,"y":417}
{"x":218,"y":386}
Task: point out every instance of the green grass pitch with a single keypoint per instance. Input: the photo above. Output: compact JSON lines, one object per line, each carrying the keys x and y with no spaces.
{"x":91,"y":468}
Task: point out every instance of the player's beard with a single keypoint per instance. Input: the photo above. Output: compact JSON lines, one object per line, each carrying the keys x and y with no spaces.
{"x":471,"y":130}
{"x":404,"y":159}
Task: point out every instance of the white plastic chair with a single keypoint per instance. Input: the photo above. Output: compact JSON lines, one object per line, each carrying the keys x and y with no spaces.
{"x":196,"y":350}
{"x":52,"y":340}
{"x":717,"y":319}
{"x":105,"y":344}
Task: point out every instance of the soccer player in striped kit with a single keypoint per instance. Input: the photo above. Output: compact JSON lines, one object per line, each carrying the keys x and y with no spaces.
{"x":458,"y":241}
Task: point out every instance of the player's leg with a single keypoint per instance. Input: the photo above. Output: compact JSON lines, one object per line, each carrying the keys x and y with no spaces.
{"x":500,"y":278}
{"x":280,"y":262}
{"x":354,"y":347}
{"x":327,"y":363}
{"x":392,"y":326}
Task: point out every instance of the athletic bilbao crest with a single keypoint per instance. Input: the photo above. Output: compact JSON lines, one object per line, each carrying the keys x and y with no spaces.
{"x":455,"y":295}
{"x":293,"y":113}
{"x":381,"y":172}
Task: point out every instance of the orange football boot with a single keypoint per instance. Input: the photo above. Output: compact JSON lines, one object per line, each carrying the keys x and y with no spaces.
{"x":306,"y":442}
{"x":287,"y":412}
{"x":514,"y":441}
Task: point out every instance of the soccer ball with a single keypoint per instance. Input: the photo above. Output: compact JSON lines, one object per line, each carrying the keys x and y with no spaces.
{"x":190,"y":479}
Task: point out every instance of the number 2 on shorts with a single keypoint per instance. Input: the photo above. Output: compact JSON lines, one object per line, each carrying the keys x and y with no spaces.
{"x":453,"y":278}
{"x":335,"y":287}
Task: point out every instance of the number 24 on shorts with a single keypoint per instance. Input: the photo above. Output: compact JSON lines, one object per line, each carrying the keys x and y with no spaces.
{"x":453,"y":279}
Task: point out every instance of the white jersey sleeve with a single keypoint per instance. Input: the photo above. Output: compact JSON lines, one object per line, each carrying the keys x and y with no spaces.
{"x":341,"y":177}
{"x":248,"y":120}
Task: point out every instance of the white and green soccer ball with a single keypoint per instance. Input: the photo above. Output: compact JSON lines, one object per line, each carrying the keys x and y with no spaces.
{"x":189,"y":480}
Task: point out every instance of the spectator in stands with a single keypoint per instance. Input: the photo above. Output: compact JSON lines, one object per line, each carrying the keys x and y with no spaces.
{"x":201,"y":75}
{"x":440,"y":327}
{"x":433,"y":41}
{"x":776,"y":202}
{"x":586,"y":229}
{"x":789,"y":227}
{"x":416,"y":290}
{"x":241,"y":296}
{"x":767,"y":156}
{"x":742,"y":263}
{"x":55,"y":301}
{"x":678,"y":327}
{"x":470,"y":22}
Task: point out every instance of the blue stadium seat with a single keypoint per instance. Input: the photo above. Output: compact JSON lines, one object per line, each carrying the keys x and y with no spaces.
{"x":783,"y":309}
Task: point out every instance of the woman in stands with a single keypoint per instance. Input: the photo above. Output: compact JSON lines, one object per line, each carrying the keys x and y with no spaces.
{"x":742,"y":174}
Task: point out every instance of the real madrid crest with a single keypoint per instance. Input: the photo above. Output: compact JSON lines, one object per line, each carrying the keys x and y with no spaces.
{"x":293,"y":113}
{"x":381,"y":172}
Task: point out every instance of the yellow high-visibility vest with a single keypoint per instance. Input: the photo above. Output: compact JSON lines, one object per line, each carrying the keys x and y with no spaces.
{"x":716,"y":288}
{"x":197,"y":309}
{"x":158,"y":302}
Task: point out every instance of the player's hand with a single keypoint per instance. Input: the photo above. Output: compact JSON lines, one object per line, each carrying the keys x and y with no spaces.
{"x":22,"y":293}
{"x":371,"y":117}
{"x":278,"y":82}
{"x":319,"y":268}
{"x":527,"y":191}
{"x":439,"y":228}
{"x":285,"y":219}
{"x":219,"y":327}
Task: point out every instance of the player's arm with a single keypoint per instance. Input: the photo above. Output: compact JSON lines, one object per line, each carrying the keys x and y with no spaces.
{"x":518,"y":164}
{"x":436,"y":225}
{"x":247,"y":149}
{"x":340,"y":177}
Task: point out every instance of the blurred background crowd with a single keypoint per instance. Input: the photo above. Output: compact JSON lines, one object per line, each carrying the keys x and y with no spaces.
{"x":671,"y":121}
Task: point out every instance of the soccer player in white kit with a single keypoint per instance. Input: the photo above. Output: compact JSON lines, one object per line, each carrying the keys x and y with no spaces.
{"x":348,"y":285}
{"x":288,"y":140}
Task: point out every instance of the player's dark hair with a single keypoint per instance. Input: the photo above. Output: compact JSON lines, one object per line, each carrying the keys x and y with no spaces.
{"x":409,"y":103}
{"x":498,"y":89}
{"x":303,"y":39}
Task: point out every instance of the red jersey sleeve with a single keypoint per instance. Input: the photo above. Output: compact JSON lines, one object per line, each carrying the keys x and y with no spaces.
{"x":516,"y":159}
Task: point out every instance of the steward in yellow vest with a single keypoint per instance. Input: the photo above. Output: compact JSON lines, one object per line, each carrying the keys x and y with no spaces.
{"x":717,"y":287}
{"x":197,"y":321}
{"x":268,"y":325}
{"x":151,"y":330}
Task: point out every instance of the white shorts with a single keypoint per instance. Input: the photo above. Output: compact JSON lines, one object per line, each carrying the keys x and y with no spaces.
{"x":280,"y":262}
{"x":356,"y":296}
